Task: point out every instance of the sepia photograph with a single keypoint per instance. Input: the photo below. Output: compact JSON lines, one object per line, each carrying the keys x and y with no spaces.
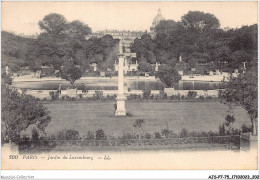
{"x":129,"y":85}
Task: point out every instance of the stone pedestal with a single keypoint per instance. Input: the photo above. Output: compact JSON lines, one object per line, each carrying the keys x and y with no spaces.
{"x":120,"y":111}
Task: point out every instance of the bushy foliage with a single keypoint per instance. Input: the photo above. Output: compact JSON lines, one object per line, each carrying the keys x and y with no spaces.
{"x":146,"y":94}
{"x":184,"y":133}
{"x":222,"y":129}
{"x":243,"y":90}
{"x":6,"y":79}
{"x":19,"y":111}
{"x":191,"y":94}
{"x":138,"y":123}
{"x":68,"y":134}
{"x":157,"y":135}
{"x":134,"y":97}
{"x":71,"y":72}
{"x":145,"y":67}
{"x":166,"y":132}
{"x":35,"y":134}
{"x":100,"y":134}
{"x":246,"y":129}
{"x":54,"y":95}
{"x":168,"y":75}
{"x":98,"y":94}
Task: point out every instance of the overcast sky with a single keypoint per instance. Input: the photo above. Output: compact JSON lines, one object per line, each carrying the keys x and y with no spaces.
{"x":23,"y":17}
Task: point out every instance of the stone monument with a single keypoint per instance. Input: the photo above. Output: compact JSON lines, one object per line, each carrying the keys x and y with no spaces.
{"x":120,"y":111}
{"x":7,"y":71}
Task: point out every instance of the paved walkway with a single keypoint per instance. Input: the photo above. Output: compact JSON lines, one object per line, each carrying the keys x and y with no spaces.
{"x":29,"y":78}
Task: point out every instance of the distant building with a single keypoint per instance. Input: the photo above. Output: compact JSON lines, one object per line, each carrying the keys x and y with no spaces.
{"x":159,"y":17}
{"x":24,"y":71}
{"x":127,"y":37}
{"x":45,"y":71}
{"x":130,"y":63}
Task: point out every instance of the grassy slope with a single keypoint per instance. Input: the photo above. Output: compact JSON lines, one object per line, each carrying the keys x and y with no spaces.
{"x":194,"y":116}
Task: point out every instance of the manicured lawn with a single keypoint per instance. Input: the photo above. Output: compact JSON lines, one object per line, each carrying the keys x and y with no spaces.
{"x":194,"y":116}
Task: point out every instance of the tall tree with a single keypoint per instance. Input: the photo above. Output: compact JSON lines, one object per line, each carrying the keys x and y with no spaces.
{"x":54,"y":24}
{"x":243,"y":90}
{"x":61,"y":40}
{"x":168,"y":75}
{"x":199,"y":21}
{"x":71,"y":71}
{"x":166,"y":27}
{"x":19,"y":111}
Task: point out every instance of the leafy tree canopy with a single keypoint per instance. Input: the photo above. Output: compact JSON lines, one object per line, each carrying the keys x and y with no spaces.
{"x":199,"y":21}
{"x":242,"y":90}
{"x":168,"y":75}
{"x":19,"y":111}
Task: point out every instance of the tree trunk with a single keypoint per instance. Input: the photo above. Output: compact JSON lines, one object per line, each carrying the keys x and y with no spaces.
{"x":254,"y":122}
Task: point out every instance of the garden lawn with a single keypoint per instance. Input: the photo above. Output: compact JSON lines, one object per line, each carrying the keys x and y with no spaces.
{"x":90,"y":116}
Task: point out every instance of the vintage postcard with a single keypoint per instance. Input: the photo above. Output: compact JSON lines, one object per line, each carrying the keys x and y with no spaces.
{"x":129,"y":85}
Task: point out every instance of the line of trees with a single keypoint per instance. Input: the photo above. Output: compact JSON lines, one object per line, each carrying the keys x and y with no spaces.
{"x":197,"y":38}
{"x":61,"y":44}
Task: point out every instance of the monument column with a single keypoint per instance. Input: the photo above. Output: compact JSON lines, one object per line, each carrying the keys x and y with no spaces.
{"x":120,"y":111}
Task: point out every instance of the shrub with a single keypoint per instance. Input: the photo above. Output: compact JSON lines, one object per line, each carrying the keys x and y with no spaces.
{"x":24,"y":90}
{"x":80,"y":96}
{"x":65,"y":97}
{"x":184,"y":133}
{"x":145,"y":67}
{"x":163,"y":95}
{"x":209,"y":97}
{"x":72,"y":98}
{"x":100,"y":134}
{"x":201,"y":97}
{"x":35,"y":134}
{"x":168,"y":75}
{"x":165,"y":132}
{"x":246,"y":129}
{"x":230,"y":119}
{"x":45,"y":99}
{"x":98,"y":94}
{"x":19,"y":111}
{"x":7,"y":79}
{"x":147,"y":136}
{"x":192,"y":94}
{"x":157,"y":135}
{"x":54,"y":95}
{"x":134,"y":97}
{"x":146,"y":93}
{"x":178,"y":96}
{"x":221,"y":129}
{"x":139,"y":123}
{"x":128,"y":136}
{"x":90,"y":136}
{"x":112,"y":97}
{"x":68,"y":134}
